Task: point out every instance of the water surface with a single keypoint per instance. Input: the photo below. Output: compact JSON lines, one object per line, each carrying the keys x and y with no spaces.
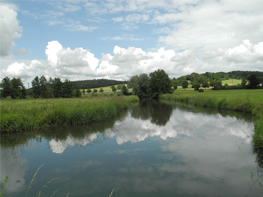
{"x":154,"y":149}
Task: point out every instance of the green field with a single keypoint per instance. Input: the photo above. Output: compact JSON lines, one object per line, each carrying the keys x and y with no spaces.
{"x":254,"y":95}
{"x":231,"y":81}
{"x":106,"y":89}
{"x":23,"y":115}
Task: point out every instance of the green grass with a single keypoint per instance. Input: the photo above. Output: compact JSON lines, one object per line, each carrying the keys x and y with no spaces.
{"x":232,"y":81}
{"x":23,"y":115}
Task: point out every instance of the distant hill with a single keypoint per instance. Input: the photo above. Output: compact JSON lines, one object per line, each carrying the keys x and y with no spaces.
{"x":208,"y":76}
{"x":96,"y":83}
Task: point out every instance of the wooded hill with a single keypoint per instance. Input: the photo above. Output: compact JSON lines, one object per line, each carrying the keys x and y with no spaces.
{"x":208,"y":76}
{"x":95,"y":83}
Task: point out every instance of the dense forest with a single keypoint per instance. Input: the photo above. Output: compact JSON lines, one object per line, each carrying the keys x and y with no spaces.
{"x":95,"y":83}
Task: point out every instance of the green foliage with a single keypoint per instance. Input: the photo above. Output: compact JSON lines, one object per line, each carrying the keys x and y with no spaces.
{"x":196,"y":85}
{"x":159,"y":83}
{"x":67,"y":89}
{"x":226,"y":86}
{"x":95,"y":90}
{"x":253,"y":81}
{"x":77,"y":93}
{"x":201,"y":90}
{"x":83,"y":91}
{"x":113,"y":88}
{"x":101,"y":90}
{"x":184,"y":84}
{"x":89,"y":91}
{"x":3,"y":189}
{"x":124,"y":90}
{"x":96,"y":83}
{"x":6,"y":87}
{"x":57,"y":87}
{"x":243,"y":82}
{"x":205,"y":84}
{"x":119,"y":86}
{"x":36,"y":87}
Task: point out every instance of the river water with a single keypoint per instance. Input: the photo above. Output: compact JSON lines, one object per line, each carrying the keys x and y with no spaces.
{"x":154,"y":149}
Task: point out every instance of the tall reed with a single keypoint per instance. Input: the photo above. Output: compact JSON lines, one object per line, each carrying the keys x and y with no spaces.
{"x":19,"y":116}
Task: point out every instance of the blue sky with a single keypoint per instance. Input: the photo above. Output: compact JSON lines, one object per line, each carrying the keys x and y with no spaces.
{"x":116,"y":39}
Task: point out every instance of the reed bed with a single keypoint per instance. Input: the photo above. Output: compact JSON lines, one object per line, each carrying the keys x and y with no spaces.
{"x":24,"y":115}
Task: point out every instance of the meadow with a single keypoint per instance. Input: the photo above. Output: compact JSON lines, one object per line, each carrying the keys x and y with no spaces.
{"x":22,"y":115}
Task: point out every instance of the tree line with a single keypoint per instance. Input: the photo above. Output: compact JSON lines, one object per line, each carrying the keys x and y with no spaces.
{"x":216,"y":78}
{"x":95,"y":83}
{"x":41,"y":88}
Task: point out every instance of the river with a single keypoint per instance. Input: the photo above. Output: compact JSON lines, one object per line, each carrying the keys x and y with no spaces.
{"x":153,"y":149}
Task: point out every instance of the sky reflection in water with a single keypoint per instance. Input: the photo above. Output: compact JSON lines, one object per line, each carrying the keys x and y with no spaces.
{"x":156,"y":149}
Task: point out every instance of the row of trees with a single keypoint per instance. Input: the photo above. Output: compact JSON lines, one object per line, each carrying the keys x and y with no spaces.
{"x":252,"y":81}
{"x":41,"y":88}
{"x":52,"y":88}
{"x":95,"y":83}
{"x":208,"y":76}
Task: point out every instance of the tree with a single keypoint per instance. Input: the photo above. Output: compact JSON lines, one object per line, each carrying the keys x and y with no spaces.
{"x":95,"y":90}
{"x":83,"y":91}
{"x":101,"y":90}
{"x":184,"y":84}
{"x":113,"y":88}
{"x":175,"y":84}
{"x":77,"y":92}
{"x":67,"y":89}
{"x":89,"y":91}
{"x":212,"y":83}
{"x":205,"y":84}
{"x":36,"y":87}
{"x":159,"y":83}
{"x":16,"y":88}
{"x":57,"y":87}
{"x":218,"y":85}
{"x":253,"y":81}
{"x":43,"y":87}
{"x":124,"y":90}
{"x":6,"y":87}
{"x":196,"y":85}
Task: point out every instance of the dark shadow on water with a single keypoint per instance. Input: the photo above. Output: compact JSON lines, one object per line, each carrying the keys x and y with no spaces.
{"x":158,"y":112}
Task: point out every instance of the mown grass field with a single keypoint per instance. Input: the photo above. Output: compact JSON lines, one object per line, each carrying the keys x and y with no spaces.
{"x":255,"y":95}
{"x":22,"y":115}
{"x":232,"y":81}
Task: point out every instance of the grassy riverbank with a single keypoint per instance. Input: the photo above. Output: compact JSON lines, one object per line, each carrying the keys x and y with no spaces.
{"x":249,"y":101}
{"x":23,"y":115}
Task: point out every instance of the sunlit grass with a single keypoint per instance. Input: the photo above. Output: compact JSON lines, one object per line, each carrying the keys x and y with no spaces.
{"x":232,"y":81}
{"x":22,"y":115}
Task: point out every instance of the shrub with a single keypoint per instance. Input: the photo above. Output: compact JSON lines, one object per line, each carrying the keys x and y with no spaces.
{"x":201,"y":90}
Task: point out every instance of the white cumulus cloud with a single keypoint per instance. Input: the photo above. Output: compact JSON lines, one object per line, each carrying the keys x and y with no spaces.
{"x":9,"y":28}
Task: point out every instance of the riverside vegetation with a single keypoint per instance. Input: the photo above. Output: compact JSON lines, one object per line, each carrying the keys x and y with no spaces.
{"x":249,"y":101}
{"x":23,"y":115}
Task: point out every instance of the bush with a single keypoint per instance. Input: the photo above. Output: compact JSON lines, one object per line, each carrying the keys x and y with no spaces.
{"x":201,"y":90}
